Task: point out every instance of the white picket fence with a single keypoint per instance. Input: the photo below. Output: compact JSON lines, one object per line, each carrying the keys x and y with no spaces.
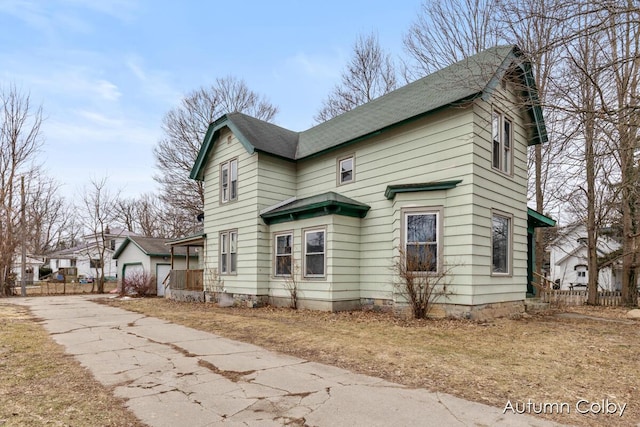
{"x":570,"y":298}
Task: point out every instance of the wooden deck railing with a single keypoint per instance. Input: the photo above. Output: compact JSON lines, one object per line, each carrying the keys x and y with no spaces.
{"x":541,"y":283}
{"x":188,"y":280}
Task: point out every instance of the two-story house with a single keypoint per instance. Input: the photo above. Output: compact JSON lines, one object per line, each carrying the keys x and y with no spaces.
{"x":568,"y":255}
{"x":86,"y":257}
{"x":437,"y":168}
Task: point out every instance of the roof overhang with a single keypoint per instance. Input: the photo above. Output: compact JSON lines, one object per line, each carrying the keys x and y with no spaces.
{"x":537,"y":220}
{"x":193,"y":240}
{"x":315,"y":206}
{"x":197,"y":172}
{"x":392,"y":190}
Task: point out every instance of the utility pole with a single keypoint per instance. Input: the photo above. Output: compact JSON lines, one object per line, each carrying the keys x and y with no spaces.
{"x":23,"y":227}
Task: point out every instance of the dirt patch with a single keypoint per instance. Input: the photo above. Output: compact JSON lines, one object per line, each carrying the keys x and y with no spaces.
{"x":41,"y":385}
{"x":542,"y":358}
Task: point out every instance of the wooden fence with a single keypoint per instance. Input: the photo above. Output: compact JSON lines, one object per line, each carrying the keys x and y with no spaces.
{"x":61,"y":288}
{"x":570,"y":298}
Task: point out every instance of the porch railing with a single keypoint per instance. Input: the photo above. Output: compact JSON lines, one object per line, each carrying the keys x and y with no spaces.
{"x":187,"y":280}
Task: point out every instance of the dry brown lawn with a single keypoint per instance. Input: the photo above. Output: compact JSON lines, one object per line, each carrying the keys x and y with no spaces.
{"x":40,"y":385}
{"x":591,"y":354}
{"x":581,"y":353}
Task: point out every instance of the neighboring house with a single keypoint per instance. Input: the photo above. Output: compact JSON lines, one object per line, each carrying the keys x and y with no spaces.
{"x":153,"y":257}
{"x":86,"y":256}
{"x":437,"y":168}
{"x":32,"y":268}
{"x":568,"y":255}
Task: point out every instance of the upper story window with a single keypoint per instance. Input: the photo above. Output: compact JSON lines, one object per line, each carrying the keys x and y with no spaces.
{"x":421,"y":240}
{"x":502,"y":136}
{"x":346,"y":170}
{"x":229,"y":181}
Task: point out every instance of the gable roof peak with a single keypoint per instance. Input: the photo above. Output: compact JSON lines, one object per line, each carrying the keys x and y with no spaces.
{"x":475,"y":76}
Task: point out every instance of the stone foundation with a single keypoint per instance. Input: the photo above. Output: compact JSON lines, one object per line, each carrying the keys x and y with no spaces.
{"x":186,"y":296}
{"x":481,"y":312}
{"x":377,"y":304}
{"x":320,"y":305}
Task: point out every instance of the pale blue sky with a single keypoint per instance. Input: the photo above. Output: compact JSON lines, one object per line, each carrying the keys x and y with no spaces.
{"x":106,"y":71}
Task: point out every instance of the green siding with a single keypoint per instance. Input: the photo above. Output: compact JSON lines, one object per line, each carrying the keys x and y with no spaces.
{"x":449,"y":145}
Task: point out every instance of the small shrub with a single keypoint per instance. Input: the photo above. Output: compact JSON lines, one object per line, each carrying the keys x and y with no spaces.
{"x":138,"y":283}
{"x":420,"y":282}
{"x":291,"y":284}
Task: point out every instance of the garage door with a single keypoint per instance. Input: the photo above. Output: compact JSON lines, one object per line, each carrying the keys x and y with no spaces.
{"x":162,"y":271}
{"x":131,"y":270}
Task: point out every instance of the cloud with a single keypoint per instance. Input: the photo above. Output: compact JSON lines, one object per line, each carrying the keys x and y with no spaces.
{"x":123,"y":10}
{"x":67,"y":15}
{"x":153,"y":83}
{"x":107,"y":90}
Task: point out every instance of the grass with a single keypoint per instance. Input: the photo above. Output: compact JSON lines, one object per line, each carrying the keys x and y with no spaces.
{"x":40,"y":385}
{"x":541,"y":358}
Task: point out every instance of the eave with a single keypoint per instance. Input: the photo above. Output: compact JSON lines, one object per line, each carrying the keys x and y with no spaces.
{"x":392,"y":190}
{"x":315,"y":209}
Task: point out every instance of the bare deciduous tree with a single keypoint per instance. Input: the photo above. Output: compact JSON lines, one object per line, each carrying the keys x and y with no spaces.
{"x":184,"y":129}
{"x":369,"y":74}
{"x":622,"y":31}
{"x":97,"y":213}
{"x":601,"y":50}
{"x":48,"y":214}
{"x":533,"y":25}
{"x":149,"y":216}
{"x":448,"y":31}
{"x":20,"y":140}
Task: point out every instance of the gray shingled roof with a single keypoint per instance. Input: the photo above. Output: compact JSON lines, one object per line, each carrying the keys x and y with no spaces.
{"x":475,"y":76}
{"x":457,"y":82}
{"x":328,"y":197}
{"x":266,"y":136}
{"x":151,"y":246}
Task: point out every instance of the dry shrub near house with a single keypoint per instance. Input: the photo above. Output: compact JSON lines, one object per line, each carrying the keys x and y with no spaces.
{"x":139,"y":283}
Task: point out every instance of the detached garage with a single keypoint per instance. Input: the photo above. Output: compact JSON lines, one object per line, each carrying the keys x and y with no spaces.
{"x":151,"y":256}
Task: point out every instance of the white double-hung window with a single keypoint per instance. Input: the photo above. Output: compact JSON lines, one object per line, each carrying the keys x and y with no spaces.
{"x":502,"y":137}
{"x":229,"y":181}
{"x":228,"y":252}
{"x":314,"y":253}
{"x":421,"y":240}
{"x":346,"y":170}
{"x":284,"y":249}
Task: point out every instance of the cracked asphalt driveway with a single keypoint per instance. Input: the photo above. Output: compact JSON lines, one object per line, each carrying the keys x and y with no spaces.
{"x":173,"y":375}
